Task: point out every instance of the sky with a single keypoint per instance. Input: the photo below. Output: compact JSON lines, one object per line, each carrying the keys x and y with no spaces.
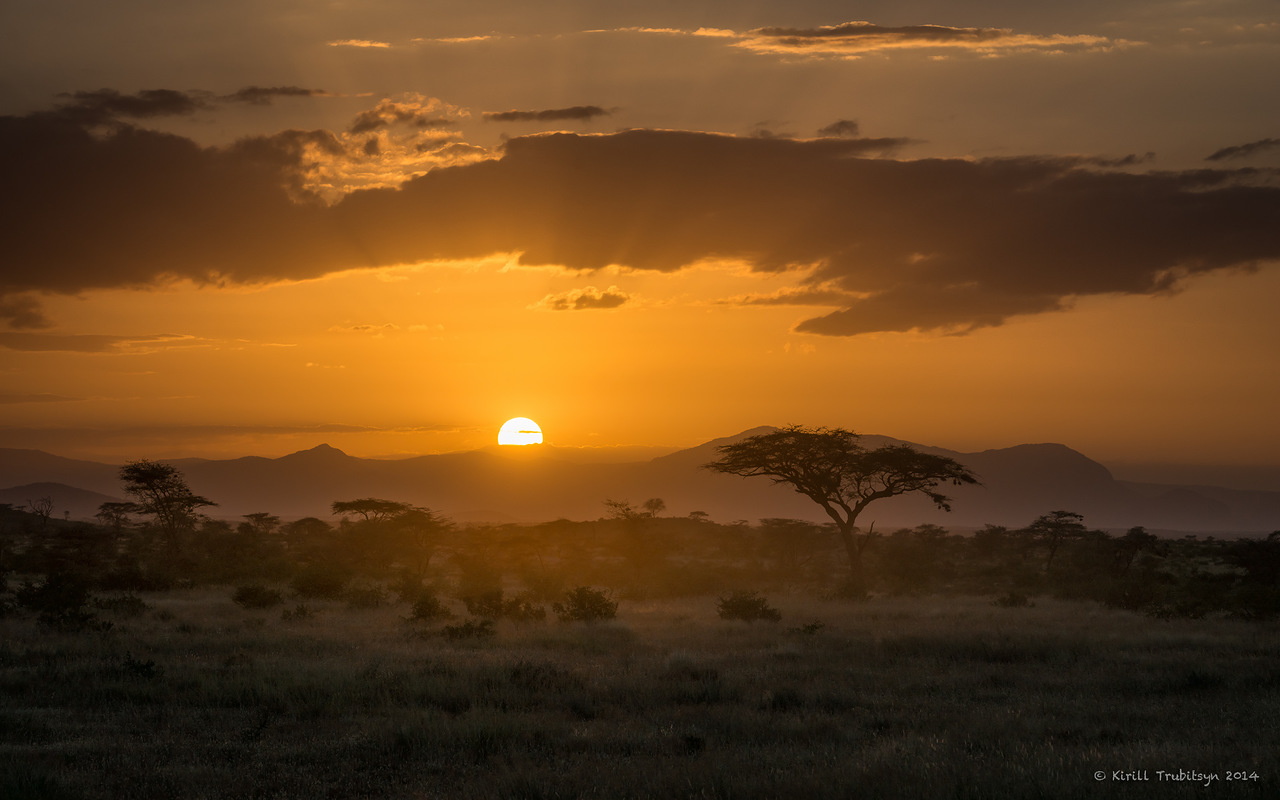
{"x":247,"y":228}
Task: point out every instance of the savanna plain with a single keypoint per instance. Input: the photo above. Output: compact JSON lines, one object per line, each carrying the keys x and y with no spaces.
{"x":889,"y":697}
{"x":161,"y":653}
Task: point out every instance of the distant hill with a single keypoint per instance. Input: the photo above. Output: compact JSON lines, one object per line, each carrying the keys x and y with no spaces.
{"x":542,"y":483}
{"x":67,"y":500}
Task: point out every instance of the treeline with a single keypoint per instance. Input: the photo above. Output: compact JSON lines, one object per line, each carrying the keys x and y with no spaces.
{"x":374,"y":548}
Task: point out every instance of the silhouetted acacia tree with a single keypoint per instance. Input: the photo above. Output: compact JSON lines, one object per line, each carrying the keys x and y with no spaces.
{"x":831,"y":468}
{"x":1055,"y":528}
{"x":116,"y":515}
{"x":162,"y":493}
{"x":392,"y":531}
{"x":370,"y":508}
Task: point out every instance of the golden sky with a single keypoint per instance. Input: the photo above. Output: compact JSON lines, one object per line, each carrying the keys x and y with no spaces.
{"x":247,"y":228}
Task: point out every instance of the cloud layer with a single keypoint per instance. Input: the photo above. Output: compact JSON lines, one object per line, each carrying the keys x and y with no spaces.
{"x":934,"y":244}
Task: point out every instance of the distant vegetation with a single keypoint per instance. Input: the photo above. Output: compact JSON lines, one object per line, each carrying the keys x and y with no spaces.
{"x":377,"y":548}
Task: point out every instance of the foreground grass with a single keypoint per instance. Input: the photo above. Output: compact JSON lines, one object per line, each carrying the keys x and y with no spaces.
{"x":922,"y":698}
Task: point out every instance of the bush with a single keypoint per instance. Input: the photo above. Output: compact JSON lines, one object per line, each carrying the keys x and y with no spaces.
{"x":487,"y":604}
{"x":428,"y":608}
{"x":522,"y":608}
{"x":493,"y":605}
{"x":748,"y":607}
{"x":321,"y":581}
{"x":471,"y":629}
{"x":585,"y":604}
{"x":257,"y":596}
{"x":61,"y":604}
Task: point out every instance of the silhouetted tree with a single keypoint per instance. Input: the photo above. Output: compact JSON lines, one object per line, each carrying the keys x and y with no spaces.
{"x":831,"y":468}
{"x":1127,"y":547}
{"x":162,"y":493}
{"x":1055,"y":528}
{"x":370,"y":508}
{"x":42,"y":508}
{"x":261,"y":523}
{"x":116,"y":515}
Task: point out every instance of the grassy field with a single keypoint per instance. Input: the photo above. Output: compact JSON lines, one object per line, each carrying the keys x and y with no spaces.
{"x":892,"y":697}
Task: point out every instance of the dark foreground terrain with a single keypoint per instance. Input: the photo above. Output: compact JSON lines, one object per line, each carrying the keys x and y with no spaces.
{"x":192,"y":695}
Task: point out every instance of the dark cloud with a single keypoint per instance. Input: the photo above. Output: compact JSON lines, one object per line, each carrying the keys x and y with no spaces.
{"x":23,"y":312}
{"x":1244,"y":150}
{"x":841,"y":127}
{"x":103,"y":105}
{"x":574,"y":112}
{"x":263,"y":95}
{"x":932,"y":244}
{"x":87,"y":342}
{"x":582,"y":299}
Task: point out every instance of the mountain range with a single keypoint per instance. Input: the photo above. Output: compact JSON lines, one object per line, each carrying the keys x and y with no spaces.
{"x":540,"y":483}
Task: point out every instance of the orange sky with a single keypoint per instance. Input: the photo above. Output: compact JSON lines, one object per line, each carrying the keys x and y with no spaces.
{"x":234,"y":231}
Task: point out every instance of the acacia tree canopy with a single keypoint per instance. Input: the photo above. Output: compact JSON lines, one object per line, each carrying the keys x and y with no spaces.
{"x":831,"y":467}
{"x":162,"y":493}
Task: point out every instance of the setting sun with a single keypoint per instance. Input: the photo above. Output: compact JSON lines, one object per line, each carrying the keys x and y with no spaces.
{"x":520,"y":431}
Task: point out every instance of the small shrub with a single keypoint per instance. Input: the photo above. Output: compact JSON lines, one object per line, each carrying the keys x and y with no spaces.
{"x":522,"y":608}
{"x":60,"y":603}
{"x":585,"y":604}
{"x":493,"y":605}
{"x":300,"y":612}
{"x":428,"y":608}
{"x":257,"y":596}
{"x":487,"y":604}
{"x":748,"y":607}
{"x":471,"y":629}
{"x":366,"y":597}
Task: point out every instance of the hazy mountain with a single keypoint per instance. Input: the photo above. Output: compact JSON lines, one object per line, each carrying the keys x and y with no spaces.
{"x":67,"y":500}
{"x":543,"y":483}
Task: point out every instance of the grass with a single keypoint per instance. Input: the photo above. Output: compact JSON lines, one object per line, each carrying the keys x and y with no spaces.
{"x":893,"y":697}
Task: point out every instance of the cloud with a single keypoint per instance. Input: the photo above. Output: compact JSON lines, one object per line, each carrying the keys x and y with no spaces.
{"x":582,"y":299}
{"x":840,"y":128}
{"x":90,"y":342}
{"x":365,"y":328}
{"x":416,"y":111}
{"x":263,"y":95}
{"x":23,"y":312}
{"x":943,"y":245}
{"x":851,"y":38}
{"x":574,"y":113}
{"x":795,"y":296}
{"x":103,"y":105}
{"x":358,"y":43}
{"x":1244,"y":150}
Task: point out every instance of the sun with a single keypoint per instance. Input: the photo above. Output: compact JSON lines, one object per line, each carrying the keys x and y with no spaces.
{"x":520,"y":430}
